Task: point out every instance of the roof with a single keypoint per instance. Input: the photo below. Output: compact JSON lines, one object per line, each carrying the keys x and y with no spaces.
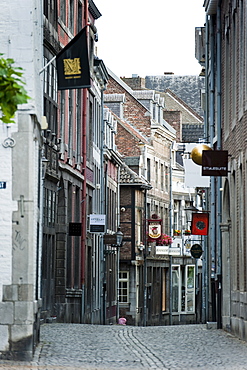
{"x":185,"y":106}
{"x":129,"y":177}
{"x":187,"y":88}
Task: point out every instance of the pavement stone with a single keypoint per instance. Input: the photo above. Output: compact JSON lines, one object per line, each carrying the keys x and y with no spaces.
{"x":101,"y":347}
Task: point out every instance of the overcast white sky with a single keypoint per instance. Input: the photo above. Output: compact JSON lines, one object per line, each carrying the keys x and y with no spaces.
{"x":149,"y":37}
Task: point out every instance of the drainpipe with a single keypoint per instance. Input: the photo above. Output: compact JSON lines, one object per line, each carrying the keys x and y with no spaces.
{"x":213,"y":189}
{"x":84,"y":185}
{"x":219,"y":179}
{"x":145,"y":262}
{"x":171,"y":226}
{"x":103,"y":211}
{"x":205,"y":282}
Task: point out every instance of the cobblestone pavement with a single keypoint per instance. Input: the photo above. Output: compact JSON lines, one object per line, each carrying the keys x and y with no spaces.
{"x":97,"y":347}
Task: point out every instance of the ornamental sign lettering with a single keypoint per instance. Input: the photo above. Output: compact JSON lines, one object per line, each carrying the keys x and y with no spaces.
{"x":214,"y":162}
{"x":154,"y":229}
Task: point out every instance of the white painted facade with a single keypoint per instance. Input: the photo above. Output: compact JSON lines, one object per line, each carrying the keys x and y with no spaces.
{"x":20,"y":143}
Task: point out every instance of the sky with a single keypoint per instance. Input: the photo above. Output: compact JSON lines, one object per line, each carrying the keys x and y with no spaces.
{"x":149,"y":37}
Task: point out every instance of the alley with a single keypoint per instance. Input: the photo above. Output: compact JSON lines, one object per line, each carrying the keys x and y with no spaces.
{"x":88,"y":347}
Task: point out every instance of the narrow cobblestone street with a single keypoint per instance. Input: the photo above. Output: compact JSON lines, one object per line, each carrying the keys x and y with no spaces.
{"x":88,"y":347}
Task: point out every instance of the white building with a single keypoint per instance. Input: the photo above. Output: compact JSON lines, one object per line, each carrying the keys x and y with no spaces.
{"x":20,"y":158}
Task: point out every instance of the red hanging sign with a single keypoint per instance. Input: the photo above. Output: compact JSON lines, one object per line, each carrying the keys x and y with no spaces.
{"x":199,"y":223}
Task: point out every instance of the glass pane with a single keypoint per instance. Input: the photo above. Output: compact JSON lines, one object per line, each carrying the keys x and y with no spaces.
{"x":175,"y":289}
{"x":190,"y":278}
{"x":190,"y":296}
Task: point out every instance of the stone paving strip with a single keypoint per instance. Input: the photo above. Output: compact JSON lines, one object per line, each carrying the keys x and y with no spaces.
{"x":98,"y":347}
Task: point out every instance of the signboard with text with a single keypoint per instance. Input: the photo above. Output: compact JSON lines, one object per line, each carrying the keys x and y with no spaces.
{"x":97,"y":223}
{"x":214,"y":162}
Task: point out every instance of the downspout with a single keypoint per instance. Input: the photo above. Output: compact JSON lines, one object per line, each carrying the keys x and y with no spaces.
{"x":118,"y":248}
{"x":145,"y":262}
{"x":205,"y":275}
{"x":213,"y":189}
{"x":103,"y":211}
{"x":171,"y":227}
{"x":219,"y":179}
{"x":84,"y":186}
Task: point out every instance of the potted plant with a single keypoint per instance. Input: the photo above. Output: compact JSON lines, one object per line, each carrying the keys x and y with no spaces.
{"x":164,"y":240}
{"x":177,"y":232}
{"x":187,"y":232}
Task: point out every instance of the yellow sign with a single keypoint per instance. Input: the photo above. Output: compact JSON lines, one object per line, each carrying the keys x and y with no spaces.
{"x":72,"y":67}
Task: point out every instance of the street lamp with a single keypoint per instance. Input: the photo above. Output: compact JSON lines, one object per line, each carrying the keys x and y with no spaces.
{"x":189,"y":210}
{"x":119,"y":237}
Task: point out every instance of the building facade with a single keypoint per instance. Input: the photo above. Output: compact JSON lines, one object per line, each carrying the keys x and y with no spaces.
{"x":225,"y":75}
{"x":72,"y":264}
{"x":147,"y":143}
{"x":20,"y":197}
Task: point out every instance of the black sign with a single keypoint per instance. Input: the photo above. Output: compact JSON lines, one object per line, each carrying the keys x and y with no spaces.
{"x":73,"y":70}
{"x":97,"y":228}
{"x":110,"y":239}
{"x":2,"y":184}
{"x":75,"y":228}
{"x":196,"y":250}
{"x":214,"y":162}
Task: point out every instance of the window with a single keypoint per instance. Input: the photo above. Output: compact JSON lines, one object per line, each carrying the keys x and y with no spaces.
{"x":50,"y":11}
{"x":162,"y":176}
{"x":166,"y":179}
{"x":50,"y":92}
{"x":148,"y":170}
{"x":71,"y":16}
{"x":156,"y":173}
{"x":123,"y":287}
{"x":78,"y":127}
{"x":63,"y":11}
{"x":49,"y":213}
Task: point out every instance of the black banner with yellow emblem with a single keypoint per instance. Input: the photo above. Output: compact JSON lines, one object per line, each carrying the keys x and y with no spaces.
{"x":73,"y":70}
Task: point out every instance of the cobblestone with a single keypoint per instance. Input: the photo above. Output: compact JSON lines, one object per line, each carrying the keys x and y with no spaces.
{"x":98,"y":347}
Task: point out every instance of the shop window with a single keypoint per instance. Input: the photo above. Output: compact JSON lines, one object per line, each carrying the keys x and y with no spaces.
{"x":183,"y":289}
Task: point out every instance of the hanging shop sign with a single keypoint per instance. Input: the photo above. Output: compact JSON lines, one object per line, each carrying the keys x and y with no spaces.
{"x":110,"y":239}
{"x":196,"y":250}
{"x":154,"y":229}
{"x":199,"y":223}
{"x":214,"y":162}
{"x":73,"y":70}
{"x":97,"y":223}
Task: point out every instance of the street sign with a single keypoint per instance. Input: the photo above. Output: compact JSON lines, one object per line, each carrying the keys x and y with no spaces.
{"x":2,"y":184}
{"x":110,"y":239}
{"x":196,"y":250}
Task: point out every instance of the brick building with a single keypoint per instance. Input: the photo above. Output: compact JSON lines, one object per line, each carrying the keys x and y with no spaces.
{"x":72,"y":264}
{"x":145,"y":139}
{"x":225,"y":67}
